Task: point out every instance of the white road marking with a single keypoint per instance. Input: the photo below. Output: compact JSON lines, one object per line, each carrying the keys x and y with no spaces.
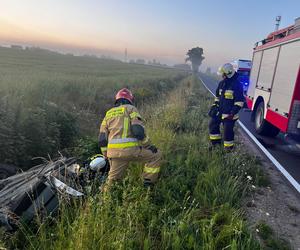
{"x":293,"y":182}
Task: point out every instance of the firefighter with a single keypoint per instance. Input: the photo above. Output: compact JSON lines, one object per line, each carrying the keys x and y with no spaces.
{"x":123,"y":139}
{"x":228,"y":102}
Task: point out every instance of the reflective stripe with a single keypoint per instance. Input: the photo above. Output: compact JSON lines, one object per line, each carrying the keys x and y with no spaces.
{"x":217,"y":99}
{"x":125,"y":127}
{"x":234,"y":117}
{"x":103,"y":149}
{"x":122,"y":140}
{"x":103,"y":123}
{"x":228,"y":94}
{"x":228,"y":143}
{"x":123,"y":145}
{"x":240,"y":104}
{"x":114,"y":112}
{"x":220,"y":91}
{"x":151,"y":170}
{"x":215,"y":136}
{"x":135,"y":115}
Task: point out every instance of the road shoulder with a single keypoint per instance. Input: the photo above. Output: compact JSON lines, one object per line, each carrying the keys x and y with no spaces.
{"x":277,"y":205}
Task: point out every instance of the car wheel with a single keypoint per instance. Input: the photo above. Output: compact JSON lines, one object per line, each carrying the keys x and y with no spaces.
{"x":262,"y":126}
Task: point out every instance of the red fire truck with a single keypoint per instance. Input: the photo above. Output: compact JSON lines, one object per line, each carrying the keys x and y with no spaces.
{"x":274,"y":89}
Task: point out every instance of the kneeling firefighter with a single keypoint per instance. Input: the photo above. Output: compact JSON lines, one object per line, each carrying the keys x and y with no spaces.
{"x":228,"y":102}
{"x":123,"y":139}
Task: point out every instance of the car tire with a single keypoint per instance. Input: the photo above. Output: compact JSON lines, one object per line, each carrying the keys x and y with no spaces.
{"x":262,"y":126}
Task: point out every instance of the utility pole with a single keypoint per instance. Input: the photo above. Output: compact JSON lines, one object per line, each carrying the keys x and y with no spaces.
{"x":125,"y":59}
{"x":278,"y":19}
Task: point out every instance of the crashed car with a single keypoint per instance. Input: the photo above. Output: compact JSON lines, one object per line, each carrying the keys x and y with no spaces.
{"x":39,"y":190}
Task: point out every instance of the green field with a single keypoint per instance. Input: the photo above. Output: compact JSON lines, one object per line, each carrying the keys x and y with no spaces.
{"x":51,"y":102}
{"x":48,"y":101}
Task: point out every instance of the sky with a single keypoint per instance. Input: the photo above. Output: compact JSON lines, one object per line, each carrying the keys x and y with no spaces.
{"x":158,"y":29}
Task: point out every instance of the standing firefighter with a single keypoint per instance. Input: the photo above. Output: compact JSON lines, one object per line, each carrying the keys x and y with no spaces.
{"x":123,"y":139}
{"x":228,"y":102}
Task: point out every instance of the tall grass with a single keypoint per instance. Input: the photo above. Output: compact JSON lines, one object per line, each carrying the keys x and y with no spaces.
{"x":195,"y":205}
{"x":48,"y":100}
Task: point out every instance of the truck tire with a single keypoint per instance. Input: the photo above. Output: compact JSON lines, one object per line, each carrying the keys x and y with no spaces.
{"x":7,"y":170}
{"x":262,"y":126}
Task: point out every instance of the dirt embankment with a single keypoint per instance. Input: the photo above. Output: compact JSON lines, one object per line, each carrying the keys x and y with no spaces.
{"x":277,"y":204}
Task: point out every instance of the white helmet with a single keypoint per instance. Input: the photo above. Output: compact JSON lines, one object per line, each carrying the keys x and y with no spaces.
{"x":97,"y":163}
{"x":227,"y":70}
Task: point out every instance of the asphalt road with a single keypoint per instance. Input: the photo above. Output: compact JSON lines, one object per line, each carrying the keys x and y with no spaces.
{"x":278,"y":147}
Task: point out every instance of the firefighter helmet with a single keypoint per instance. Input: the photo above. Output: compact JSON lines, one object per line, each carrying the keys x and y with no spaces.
{"x":226,"y":70}
{"x":125,"y":94}
{"x":97,"y":163}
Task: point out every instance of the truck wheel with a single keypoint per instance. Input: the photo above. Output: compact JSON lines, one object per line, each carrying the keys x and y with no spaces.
{"x":7,"y":170}
{"x":262,"y":126}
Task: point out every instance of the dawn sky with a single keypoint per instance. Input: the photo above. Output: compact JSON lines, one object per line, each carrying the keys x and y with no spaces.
{"x":160,"y":29}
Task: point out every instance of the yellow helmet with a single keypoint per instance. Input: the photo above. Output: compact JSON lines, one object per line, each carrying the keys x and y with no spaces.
{"x":226,"y":70}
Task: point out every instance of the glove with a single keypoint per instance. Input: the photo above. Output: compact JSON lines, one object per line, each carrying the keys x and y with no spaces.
{"x":214,"y":111}
{"x":152,"y":148}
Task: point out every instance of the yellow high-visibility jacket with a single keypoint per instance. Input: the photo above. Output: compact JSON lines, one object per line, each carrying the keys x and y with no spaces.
{"x":117,"y":137}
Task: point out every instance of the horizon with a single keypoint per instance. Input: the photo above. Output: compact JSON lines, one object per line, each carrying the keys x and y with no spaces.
{"x":148,"y":30}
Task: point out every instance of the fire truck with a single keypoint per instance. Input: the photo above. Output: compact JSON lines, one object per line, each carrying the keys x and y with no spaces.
{"x":273,"y":94}
{"x":243,"y":67}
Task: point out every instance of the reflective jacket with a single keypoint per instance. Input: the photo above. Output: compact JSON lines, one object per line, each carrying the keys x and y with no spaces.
{"x":230,"y":97}
{"x":122,"y":132}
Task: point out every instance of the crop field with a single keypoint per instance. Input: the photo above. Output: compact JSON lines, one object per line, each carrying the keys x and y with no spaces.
{"x":48,"y":101}
{"x":197,"y":202}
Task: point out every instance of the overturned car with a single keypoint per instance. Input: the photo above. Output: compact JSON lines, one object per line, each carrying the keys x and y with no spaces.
{"x":38,"y":191}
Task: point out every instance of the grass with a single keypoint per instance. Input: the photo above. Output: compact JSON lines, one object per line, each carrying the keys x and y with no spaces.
{"x":195,"y":205}
{"x":269,"y":239}
{"x":63,"y":98}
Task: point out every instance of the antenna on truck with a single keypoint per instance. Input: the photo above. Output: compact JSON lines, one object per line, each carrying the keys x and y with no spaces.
{"x":278,"y":19}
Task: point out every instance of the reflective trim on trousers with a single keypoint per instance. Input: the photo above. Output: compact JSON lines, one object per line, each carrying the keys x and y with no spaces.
{"x":215,"y":136}
{"x":228,"y":143}
{"x":151,"y":170}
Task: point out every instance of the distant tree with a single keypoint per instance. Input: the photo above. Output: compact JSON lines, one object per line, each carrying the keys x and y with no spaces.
{"x":195,"y":56}
{"x":131,"y":61}
{"x":140,"y":61}
{"x":19,"y":47}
